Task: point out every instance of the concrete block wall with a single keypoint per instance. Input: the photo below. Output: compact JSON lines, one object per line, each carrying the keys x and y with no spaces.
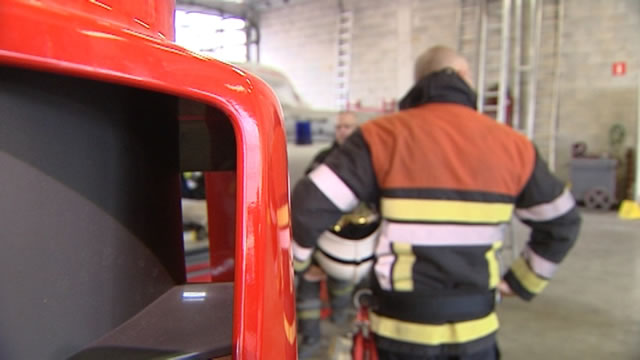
{"x":375,"y":48}
{"x":546,"y":72}
{"x":388,"y":36}
{"x":597,"y":34}
{"x":301,"y":40}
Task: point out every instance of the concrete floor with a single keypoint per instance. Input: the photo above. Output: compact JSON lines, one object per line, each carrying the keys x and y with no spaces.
{"x":590,"y":310}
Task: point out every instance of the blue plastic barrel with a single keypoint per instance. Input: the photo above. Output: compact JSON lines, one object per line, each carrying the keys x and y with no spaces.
{"x":303,"y":132}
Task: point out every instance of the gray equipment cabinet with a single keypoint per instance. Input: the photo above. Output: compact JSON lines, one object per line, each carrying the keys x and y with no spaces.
{"x":593,"y":182}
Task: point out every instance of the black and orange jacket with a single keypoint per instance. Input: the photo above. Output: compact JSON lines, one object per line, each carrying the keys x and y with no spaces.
{"x":447,"y":180}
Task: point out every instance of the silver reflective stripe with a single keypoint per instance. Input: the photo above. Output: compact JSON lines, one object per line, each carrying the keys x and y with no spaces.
{"x":538,"y":264}
{"x":548,"y":211}
{"x":347,"y":249}
{"x":301,"y":253}
{"x":443,"y":235}
{"x":333,"y":188}
{"x":384,"y":259}
{"x":343,"y":271}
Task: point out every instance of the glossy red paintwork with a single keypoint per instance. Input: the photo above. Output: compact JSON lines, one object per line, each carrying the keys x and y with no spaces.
{"x":221,"y":195}
{"x":85,"y":39}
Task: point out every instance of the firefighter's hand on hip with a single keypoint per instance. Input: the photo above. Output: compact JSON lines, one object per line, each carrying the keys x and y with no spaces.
{"x":505,"y":289}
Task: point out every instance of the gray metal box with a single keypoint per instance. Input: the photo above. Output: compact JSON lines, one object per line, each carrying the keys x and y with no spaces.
{"x":590,"y":173}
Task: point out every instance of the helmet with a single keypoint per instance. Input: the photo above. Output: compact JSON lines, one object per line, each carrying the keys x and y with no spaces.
{"x":347,"y":251}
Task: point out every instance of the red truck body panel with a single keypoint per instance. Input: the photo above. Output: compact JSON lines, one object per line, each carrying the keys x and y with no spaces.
{"x":128,"y":43}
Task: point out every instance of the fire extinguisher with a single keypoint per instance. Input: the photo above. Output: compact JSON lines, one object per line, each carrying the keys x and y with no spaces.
{"x":358,"y":343}
{"x":364,"y":347}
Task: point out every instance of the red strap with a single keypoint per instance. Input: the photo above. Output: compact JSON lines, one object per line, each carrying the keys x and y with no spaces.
{"x":364,"y":348}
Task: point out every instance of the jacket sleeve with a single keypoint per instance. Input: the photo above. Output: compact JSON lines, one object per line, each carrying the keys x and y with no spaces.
{"x":332,"y":189}
{"x":549,"y":209}
{"x":318,"y":159}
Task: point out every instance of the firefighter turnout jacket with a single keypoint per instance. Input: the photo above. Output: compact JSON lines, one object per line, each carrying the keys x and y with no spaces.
{"x":447,"y":180}
{"x":345,"y":250}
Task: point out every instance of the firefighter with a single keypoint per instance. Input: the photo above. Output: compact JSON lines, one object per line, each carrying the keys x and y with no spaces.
{"x":343,"y":268}
{"x":447,"y":179}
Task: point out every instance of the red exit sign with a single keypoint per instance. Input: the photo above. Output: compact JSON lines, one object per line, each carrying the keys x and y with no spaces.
{"x":619,"y":68}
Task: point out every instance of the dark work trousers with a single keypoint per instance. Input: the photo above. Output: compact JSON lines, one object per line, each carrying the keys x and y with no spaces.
{"x":308,"y":307}
{"x":309,"y":304}
{"x":491,"y":353}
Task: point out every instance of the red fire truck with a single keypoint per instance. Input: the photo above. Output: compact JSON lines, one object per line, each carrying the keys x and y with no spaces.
{"x":99,"y":114}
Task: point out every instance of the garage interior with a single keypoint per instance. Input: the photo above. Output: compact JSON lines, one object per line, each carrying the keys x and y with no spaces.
{"x":563,"y":72}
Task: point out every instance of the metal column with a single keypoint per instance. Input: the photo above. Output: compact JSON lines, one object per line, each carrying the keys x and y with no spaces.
{"x":517,"y":64}
{"x":636,"y":191}
{"x":534,"y":46}
{"x":504,"y":61}
{"x":482,"y":54}
{"x":555,"y":96}
{"x":484,"y":27}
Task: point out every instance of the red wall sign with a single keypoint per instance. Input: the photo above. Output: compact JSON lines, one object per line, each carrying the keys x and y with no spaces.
{"x":619,"y":68}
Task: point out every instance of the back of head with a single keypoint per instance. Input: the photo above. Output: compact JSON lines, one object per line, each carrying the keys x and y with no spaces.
{"x":438,"y":58}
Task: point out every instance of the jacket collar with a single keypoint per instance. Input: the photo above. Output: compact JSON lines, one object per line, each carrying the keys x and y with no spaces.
{"x":444,"y":86}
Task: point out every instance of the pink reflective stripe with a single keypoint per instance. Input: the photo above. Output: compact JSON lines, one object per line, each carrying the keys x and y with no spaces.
{"x":443,"y":235}
{"x":384,"y":260}
{"x":382,"y":269}
{"x":301,"y":253}
{"x":548,"y":211}
{"x":538,"y":264}
{"x":334,"y":188}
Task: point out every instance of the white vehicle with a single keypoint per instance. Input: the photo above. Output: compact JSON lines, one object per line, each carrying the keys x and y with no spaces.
{"x":294,"y":108}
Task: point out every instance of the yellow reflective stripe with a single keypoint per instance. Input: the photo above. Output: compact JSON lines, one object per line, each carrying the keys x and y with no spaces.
{"x":290,"y":329}
{"x":341,"y":291}
{"x":301,"y":265}
{"x":494,"y":265}
{"x":403,"y":267}
{"x":527,"y":278}
{"x":445,"y":210}
{"x":309,"y":314}
{"x":433,"y":335}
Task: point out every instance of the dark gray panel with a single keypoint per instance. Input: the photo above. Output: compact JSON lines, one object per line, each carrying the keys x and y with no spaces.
{"x":193,"y":320}
{"x":90,"y":228}
{"x":207,"y":139}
